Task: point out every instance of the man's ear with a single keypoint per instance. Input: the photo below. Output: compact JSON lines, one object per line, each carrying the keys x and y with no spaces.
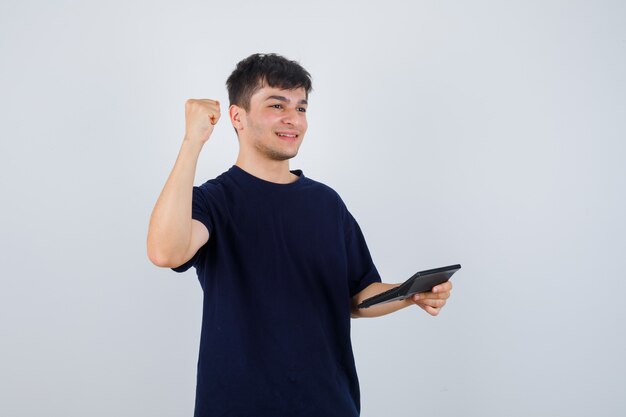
{"x":237,"y":116}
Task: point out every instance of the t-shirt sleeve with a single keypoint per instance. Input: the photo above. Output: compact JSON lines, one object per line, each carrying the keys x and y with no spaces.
{"x":202,"y":210}
{"x":361,"y":269}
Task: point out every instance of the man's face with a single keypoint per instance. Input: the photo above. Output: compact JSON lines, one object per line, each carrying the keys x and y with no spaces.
{"x":276,"y":123}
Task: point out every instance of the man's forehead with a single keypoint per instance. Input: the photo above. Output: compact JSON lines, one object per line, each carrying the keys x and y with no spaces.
{"x":266,"y":93}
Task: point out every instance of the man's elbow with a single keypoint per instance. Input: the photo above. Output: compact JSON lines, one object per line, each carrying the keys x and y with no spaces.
{"x":161,"y":261}
{"x":355,"y":312}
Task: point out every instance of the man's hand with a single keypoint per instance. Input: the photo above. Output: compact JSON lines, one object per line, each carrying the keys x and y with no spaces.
{"x":433,"y":301}
{"x":200,"y":118}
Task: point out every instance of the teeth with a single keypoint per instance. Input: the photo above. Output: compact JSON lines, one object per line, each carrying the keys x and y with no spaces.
{"x":289,"y":136}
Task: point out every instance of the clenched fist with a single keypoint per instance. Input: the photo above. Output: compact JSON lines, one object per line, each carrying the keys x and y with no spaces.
{"x":201,"y":115}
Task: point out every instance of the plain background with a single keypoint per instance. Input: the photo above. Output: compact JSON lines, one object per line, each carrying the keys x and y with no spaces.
{"x":490,"y":134}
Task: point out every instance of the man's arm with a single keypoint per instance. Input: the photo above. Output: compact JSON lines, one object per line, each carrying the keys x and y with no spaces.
{"x":431,"y":301}
{"x":173,"y":236}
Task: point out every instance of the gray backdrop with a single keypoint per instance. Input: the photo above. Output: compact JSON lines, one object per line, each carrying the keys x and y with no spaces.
{"x":489,"y":134}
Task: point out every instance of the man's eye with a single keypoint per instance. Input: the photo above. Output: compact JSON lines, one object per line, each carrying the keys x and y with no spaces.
{"x":302,"y":109}
{"x":277,"y":106}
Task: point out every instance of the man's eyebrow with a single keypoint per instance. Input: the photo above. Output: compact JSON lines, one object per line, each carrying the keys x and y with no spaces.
{"x":285,"y":99}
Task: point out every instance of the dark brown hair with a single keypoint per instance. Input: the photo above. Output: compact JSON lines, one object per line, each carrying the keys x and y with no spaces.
{"x":259,"y":70}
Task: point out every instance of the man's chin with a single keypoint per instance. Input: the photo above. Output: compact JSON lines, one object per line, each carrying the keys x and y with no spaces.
{"x":285,"y":157}
{"x":279,"y":156}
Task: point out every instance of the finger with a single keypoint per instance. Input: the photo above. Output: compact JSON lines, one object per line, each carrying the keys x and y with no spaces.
{"x":432,"y":303}
{"x":214,"y":117}
{"x":209,"y":101}
{"x":445,"y":287}
{"x":436,"y":296}
{"x":431,"y":310}
{"x":430,"y":295}
{"x":203,"y":105}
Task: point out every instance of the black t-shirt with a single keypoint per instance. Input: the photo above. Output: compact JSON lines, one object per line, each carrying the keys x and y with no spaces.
{"x":278,"y":272}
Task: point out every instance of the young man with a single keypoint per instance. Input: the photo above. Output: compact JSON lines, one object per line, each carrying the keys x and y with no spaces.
{"x":280,"y":259}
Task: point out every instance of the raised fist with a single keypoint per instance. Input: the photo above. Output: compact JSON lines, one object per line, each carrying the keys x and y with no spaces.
{"x":201,"y":115}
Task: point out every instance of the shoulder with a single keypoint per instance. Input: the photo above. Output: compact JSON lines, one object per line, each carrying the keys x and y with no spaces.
{"x":215,"y":186}
{"x":211,"y":186}
{"x":211,"y":193}
{"x":323,"y":190}
{"x":326,"y":195}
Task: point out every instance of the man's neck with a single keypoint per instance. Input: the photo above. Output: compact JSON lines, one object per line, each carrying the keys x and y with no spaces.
{"x":272,"y":171}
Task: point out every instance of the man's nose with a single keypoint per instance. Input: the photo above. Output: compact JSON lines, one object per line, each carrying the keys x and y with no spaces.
{"x":291,"y":116}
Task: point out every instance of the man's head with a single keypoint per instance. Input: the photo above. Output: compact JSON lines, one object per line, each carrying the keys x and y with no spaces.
{"x":260,"y":70}
{"x":268,"y":100}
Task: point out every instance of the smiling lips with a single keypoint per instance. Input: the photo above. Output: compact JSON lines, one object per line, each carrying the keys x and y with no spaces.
{"x":289,"y":136}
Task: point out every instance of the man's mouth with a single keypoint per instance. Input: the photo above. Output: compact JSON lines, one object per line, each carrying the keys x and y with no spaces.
{"x":287,"y":136}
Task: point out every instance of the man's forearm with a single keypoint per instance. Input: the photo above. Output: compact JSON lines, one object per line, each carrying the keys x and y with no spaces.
{"x":169,"y":232}
{"x":379,"y":309}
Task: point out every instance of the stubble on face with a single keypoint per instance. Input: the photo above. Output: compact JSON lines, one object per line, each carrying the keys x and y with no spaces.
{"x":270,"y":152}
{"x":273,"y":153}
